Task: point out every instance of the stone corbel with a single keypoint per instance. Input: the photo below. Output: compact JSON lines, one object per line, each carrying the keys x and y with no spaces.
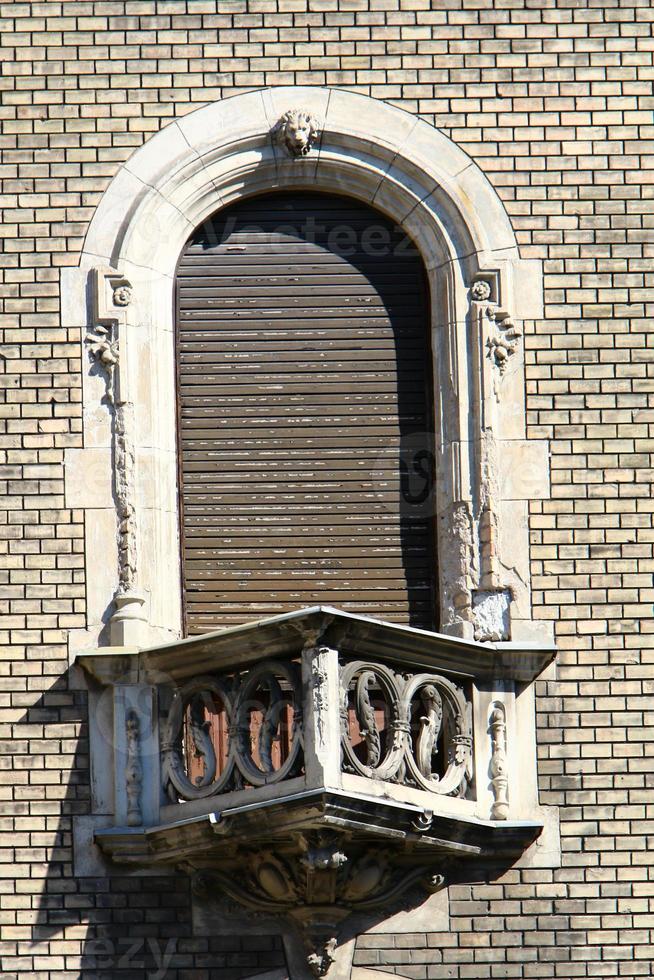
{"x":112,"y":294}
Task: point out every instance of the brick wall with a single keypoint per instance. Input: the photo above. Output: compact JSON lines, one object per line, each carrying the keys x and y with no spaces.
{"x":553,"y":100}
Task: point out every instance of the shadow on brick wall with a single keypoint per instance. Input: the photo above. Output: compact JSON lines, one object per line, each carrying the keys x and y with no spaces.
{"x":105,"y":926}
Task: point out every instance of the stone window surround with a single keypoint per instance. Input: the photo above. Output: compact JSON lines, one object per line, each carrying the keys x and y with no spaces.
{"x":486,"y":469}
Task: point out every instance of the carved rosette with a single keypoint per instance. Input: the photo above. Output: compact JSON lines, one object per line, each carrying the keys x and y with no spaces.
{"x":122,"y":294}
{"x":297,"y":131}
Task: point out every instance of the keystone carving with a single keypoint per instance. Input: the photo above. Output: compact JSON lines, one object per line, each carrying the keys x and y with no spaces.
{"x":297,"y":131}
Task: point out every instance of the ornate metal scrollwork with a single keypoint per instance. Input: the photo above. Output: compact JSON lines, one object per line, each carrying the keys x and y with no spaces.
{"x":188,"y":730}
{"x":407,"y":756}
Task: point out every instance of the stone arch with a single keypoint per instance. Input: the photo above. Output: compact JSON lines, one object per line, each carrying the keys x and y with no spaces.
{"x":482,"y":292}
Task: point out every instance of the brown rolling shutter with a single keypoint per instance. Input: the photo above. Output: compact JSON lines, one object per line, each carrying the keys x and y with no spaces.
{"x":304,"y":413}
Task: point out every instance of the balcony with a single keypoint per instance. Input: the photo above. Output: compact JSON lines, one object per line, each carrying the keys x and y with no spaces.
{"x":318,"y":764}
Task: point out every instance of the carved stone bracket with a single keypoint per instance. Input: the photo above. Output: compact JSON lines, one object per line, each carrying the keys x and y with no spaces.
{"x":317,"y":880}
{"x":297,"y":131}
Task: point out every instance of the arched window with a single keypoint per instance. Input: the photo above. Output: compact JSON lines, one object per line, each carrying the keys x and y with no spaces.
{"x":305,"y":419}
{"x":271,"y":447}
{"x":225,"y":160}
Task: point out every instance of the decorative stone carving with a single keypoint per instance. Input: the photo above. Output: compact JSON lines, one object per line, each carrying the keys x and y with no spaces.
{"x":319,"y":679}
{"x":102,"y":338}
{"x":103,"y":348}
{"x":444,"y":715}
{"x":491,"y":615}
{"x":317,"y":882}
{"x":458,"y":563}
{"x":133,"y":770}
{"x":426,"y":705}
{"x":124,"y":480}
{"x":297,"y":131}
{"x":480,"y":290}
{"x":504,"y":342}
{"x":112,"y":293}
{"x":122,"y":295}
{"x":498,"y":764}
{"x":505,"y":336}
{"x":234,"y":697}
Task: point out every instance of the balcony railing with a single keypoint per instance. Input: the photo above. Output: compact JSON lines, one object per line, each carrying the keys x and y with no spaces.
{"x":319,"y":764}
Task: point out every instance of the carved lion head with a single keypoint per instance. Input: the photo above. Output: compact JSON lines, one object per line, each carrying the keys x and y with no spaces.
{"x":298,"y":131}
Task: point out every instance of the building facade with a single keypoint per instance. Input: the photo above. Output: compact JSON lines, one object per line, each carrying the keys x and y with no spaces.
{"x":212,"y":214}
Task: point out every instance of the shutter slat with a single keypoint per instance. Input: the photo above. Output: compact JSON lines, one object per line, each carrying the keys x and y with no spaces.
{"x":304,"y":401}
